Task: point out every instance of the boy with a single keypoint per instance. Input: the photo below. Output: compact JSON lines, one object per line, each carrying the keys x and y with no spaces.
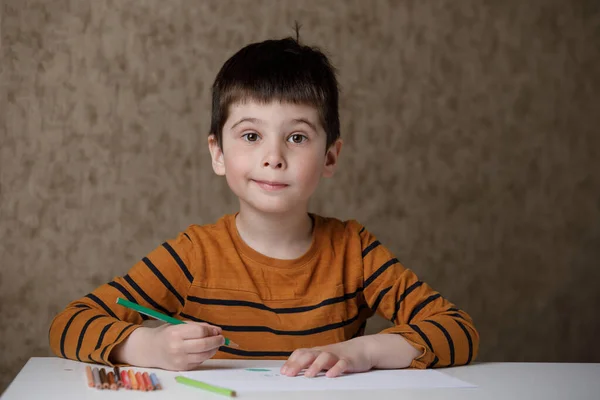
{"x":277,"y":280}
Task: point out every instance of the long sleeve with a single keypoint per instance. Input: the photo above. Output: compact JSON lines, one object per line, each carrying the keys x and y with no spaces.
{"x":445,"y":335}
{"x":90,"y":327}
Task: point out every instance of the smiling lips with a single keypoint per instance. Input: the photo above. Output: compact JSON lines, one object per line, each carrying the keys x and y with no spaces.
{"x":270,"y":186}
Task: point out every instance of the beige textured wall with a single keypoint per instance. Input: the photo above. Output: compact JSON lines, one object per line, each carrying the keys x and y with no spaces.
{"x":471,"y":135}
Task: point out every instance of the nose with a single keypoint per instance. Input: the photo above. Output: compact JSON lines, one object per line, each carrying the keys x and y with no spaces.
{"x":274,"y":158}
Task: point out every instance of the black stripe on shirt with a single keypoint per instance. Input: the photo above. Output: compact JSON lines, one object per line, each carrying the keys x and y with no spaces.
{"x":64,"y":332}
{"x":362,"y":230}
{"x":434,"y":362}
{"x":424,"y":303}
{"x":82,"y":334}
{"x":284,"y":310}
{"x":186,"y":235}
{"x":81,"y":305}
{"x":246,"y":353}
{"x":101,"y":337}
{"x":402,"y":297}
{"x":126,"y":293}
{"x":380,"y":271}
{"x":123,"y":291}
{"x":148,"y":299}
{"x":448,"y":338}
{"x":116,"y":340}
{"x":457,"y":315}
{"x":179,"y":261}
{"x":162,"y":278}
{"x":456,"y":312}
{"x":370,"y":247}
{"x":468,"y":339}
{"x":423,"y":336}
{"x":101,"y":304}
{"x":380,"y":297}
{"x":260,"y":328}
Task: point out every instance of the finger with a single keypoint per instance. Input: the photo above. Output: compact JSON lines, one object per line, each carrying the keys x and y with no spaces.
{"x":297,"y":353}
{"x":204,"y":344}
{"x":299,"y":362}
{"x":196,"y":330}
{"x":294,"y":356}
{"x":216,"y":330}
{"x":188,"y":322}
{"x":194,"y":360}
{"x":338,"y":369}
{"x":325,"y":361}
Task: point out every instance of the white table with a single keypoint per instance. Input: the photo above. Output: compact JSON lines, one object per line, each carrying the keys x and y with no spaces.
{"x":55,"y":378}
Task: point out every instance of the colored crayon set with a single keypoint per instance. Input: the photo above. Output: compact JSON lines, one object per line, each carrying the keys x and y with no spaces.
{"x":126,"y":379}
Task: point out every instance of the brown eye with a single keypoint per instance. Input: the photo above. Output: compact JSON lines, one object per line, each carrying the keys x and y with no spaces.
{"x":250,"y":137}
{"x":297,"y":138}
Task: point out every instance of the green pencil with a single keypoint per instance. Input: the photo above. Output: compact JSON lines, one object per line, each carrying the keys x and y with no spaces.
{"x":160,"y":316}
{"x":205,"y":386}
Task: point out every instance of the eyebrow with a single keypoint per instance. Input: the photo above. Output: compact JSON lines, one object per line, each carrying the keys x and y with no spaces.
{"x":307,"y":122}
{"x":259,"y":121}
{"x":246,"y":119}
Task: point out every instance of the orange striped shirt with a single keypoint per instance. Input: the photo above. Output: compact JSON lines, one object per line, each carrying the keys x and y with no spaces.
{"x":271,"y":307}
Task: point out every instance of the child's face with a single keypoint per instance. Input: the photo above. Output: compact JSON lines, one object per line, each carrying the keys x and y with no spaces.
{"x":273,"y":155}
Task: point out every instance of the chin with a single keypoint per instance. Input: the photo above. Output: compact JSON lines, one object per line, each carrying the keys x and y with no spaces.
{"x":272,"y":207}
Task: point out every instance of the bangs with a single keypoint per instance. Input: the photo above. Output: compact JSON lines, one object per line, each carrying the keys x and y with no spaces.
{"x":268,"y":90}
{"x":264,"y":88}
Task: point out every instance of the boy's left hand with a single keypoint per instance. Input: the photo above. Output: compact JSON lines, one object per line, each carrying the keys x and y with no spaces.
{"x":349,"y":356}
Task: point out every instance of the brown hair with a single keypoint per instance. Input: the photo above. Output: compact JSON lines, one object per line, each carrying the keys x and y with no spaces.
{"x":282,"y":70}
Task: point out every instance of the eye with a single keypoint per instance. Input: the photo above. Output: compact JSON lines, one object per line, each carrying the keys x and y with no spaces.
{"x":250,"y":136}
{"x":297,"y":138}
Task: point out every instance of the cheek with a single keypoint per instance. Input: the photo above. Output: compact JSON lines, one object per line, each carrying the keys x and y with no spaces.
{"x":235,"y":173}
{"x":310,"y":170}
{"x":236,"y":163}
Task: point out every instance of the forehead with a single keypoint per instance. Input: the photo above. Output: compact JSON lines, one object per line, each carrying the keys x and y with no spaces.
{"x":274,"y":112}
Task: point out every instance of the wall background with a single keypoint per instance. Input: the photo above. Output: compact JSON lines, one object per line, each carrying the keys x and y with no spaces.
{"x":471,"y":149}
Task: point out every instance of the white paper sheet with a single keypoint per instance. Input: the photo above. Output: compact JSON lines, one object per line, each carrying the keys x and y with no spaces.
{"x":269,"y":380}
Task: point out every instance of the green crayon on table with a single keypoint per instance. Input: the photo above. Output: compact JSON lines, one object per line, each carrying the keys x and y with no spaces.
{"x":205,"y":386}
{"x":160,"y":316}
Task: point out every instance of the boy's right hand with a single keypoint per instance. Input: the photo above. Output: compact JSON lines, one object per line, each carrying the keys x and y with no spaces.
{"x":185,"y":346}
{"x":172,"y":347}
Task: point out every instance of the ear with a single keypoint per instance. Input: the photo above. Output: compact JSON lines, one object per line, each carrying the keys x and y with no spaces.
{"x":331,"y":158}
{"x":216,"y":153}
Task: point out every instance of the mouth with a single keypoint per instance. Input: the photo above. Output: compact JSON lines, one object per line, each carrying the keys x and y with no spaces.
{"x":270,"y":185}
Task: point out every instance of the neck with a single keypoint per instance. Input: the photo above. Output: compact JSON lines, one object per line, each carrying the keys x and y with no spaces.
{"x":283,"y":236}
